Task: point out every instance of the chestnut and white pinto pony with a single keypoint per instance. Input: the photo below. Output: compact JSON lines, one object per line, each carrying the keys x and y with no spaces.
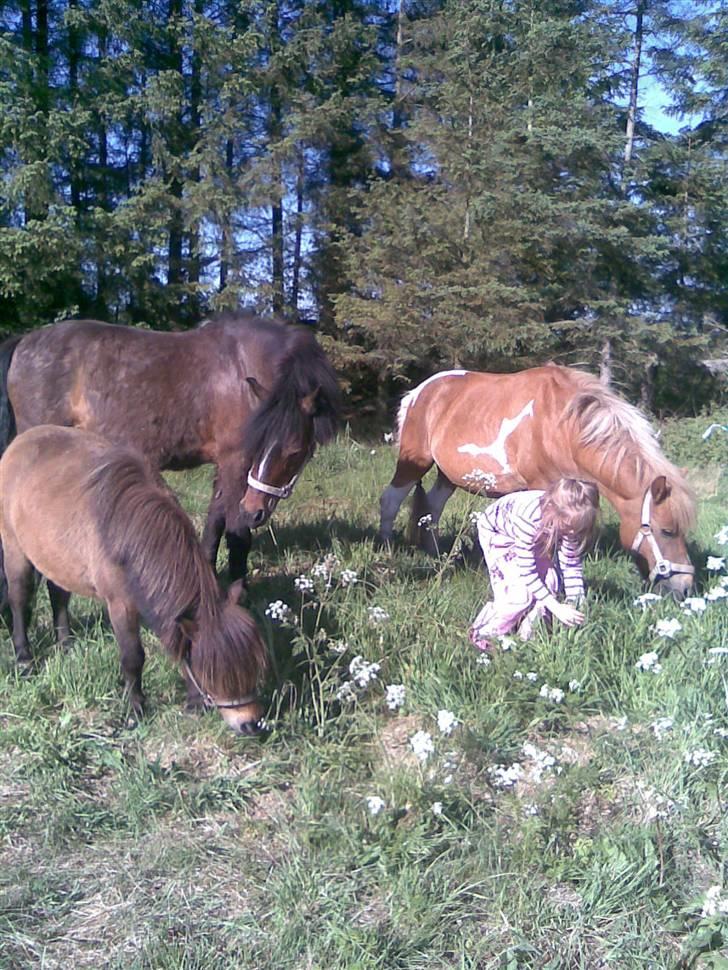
{"x":496,"y":433}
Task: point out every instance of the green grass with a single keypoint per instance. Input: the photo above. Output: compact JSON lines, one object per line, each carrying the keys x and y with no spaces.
{"x":174,"y":844}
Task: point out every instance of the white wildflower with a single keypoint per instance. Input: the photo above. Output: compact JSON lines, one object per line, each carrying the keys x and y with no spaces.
{"x":715,"y":563}
{"x":714,"y":905}
{"x":421,"y":744}
{"x":375,"y":804}
{"x":721,"y":537}
{"x":667,"y":628}
{"x":362,"y":672}
{"x":661,"y":726}
{"x":324,"y":569}
{"x":694,"y":604}
{"x":394,"y":696}
{"x":621,"y":723}
{"x":506,"y":776}
{"x":348,"y":577}
{"x":425,"y":521}
{"x":575,"y":686}
{"x":340,"y":646}
{"x":532,"y":676}
{"x":718,"y":651}
{"x":645,"y":599}
{"x":483,"y":480}
{"x":506,"y":643}
{"x":279,"y":611}
{"x":437,"y":808}
{"x":388,"y":437}
{"x":700,"y":757}
{"x":649,"y":663}
{"x":304,"y":584}
{"x":717,"y":593}
{"x":483,"y":660}
{"x":518,"y":675}
{"x":530,"y":809}
{"x":446,"y":721}
{"x":554,"y":694}
{"x":377,"y":615}
{"x":720,"y":732}
{"x":542,"y":760}
{"x":346,"y":692}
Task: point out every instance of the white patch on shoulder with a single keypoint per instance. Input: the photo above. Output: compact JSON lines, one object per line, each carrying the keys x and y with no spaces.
{"x":497,"y":449}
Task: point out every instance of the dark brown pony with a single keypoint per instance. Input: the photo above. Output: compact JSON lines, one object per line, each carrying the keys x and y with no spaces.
{"x":250,"y":395}
{"x":97,"y":520}
{"x":498,"y":433}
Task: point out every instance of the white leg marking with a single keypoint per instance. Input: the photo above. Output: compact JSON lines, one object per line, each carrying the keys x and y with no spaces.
{"x":497,"y":450}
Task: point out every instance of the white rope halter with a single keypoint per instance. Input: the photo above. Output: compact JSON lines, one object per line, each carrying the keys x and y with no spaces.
{"x":663,"y":567}
{"x":283,"y":492}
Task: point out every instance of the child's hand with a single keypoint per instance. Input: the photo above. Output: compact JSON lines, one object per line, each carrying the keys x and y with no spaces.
{"x":568,"y":614}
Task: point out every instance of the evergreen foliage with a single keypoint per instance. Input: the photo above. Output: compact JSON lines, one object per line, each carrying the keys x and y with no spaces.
{"x":436,"y":184}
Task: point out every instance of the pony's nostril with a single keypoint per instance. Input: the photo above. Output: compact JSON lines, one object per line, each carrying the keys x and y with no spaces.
{"x":258,"y":516}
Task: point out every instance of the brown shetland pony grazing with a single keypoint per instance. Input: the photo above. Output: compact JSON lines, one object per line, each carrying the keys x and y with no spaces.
{"x":97,"y":520}
{"x":253,"y":396}
{"x":498,"y":433}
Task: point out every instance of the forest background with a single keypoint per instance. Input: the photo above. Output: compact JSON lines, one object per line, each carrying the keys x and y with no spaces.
{"x":432,"y":184}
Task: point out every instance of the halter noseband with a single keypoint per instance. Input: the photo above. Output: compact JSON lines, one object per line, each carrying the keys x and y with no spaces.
{"x":283,"y":492}
{"x":210,"y":700}
{"x":663,"y":567}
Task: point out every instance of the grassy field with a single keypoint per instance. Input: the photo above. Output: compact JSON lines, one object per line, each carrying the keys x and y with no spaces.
{"x":559,"y":807}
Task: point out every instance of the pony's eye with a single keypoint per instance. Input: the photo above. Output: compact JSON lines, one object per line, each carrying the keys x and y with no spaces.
{"x":669,"y":533}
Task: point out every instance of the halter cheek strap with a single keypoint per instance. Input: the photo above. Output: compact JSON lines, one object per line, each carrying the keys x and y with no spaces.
{"x":663,"y":567}
{"x":210,"y":700}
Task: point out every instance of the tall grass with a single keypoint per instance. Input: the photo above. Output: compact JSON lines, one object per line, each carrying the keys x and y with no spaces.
{"x":578,"y":833}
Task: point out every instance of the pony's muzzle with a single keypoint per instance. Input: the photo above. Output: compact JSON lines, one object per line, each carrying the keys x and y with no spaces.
{"x":246,"y":721}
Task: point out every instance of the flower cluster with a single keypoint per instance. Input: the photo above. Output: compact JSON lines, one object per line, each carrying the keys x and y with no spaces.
{"x":375,"y":804}
{"x":422,"y":745}
{"x":700,"y":757}
{"x":279,"y":612}
{"x":649,"y":662}
{"x":483,"y":480}
{"x":304,"y":584}
{"x":446,"y":721}
{"x":506,"y":776}
{"x":554,"y":694}
{"x":394,"y":696}
{"x":362,"y":672}
{"x":661,"y":726}
{"x":377,"y":615}
{"x":348,"y":577}
{"x":667,"y":628}
{"x":715,"y":904}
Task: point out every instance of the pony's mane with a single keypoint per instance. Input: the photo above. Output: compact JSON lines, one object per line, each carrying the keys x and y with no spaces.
{"x":302,"y":369}
{"x":620,"y":432}
{"x":145,"y":530}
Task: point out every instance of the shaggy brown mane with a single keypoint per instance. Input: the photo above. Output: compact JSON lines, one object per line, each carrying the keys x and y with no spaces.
{"x":146,"y":532}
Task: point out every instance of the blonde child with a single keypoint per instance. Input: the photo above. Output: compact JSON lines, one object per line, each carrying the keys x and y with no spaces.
{"x":533,"y":543}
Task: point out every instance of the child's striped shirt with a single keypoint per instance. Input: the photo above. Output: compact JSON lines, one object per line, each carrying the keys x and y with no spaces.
{"x":517,"y":517}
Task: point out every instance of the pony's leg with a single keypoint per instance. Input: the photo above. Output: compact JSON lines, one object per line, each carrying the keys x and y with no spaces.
{"x":214,"y":524}
{"x":59,"y":606}
{"x":238,"y":545}
{"x":20,"y":575}
{"x":407,"y":474}
{"x":435,"y":502}
{"x":125,"y":624}
{"x":389,"y":504}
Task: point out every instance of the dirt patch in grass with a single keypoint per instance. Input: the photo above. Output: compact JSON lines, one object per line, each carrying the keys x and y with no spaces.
{"x":394,"y":740}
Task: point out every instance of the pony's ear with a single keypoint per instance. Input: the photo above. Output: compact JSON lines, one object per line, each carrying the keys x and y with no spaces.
{"x":236,"y":591}
{"x":660,"y":489}
{"x":308,"y":403}
{"x":257,"y":388}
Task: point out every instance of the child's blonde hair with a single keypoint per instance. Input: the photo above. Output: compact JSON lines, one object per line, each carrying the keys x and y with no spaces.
{"x":569,"y":507}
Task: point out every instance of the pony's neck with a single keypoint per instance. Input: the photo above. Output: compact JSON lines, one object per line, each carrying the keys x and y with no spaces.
{"x":622,"y":481}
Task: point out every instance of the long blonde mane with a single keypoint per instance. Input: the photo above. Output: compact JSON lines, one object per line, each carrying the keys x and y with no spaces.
{"x":621,"y":432}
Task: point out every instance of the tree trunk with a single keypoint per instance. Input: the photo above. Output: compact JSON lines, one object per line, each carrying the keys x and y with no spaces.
{"x":605,"y":363}
{"x":634,"y":83}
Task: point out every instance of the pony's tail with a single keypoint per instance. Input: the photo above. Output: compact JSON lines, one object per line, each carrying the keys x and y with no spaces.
{"x":7,"y":415}
{"x":419,"y":508}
